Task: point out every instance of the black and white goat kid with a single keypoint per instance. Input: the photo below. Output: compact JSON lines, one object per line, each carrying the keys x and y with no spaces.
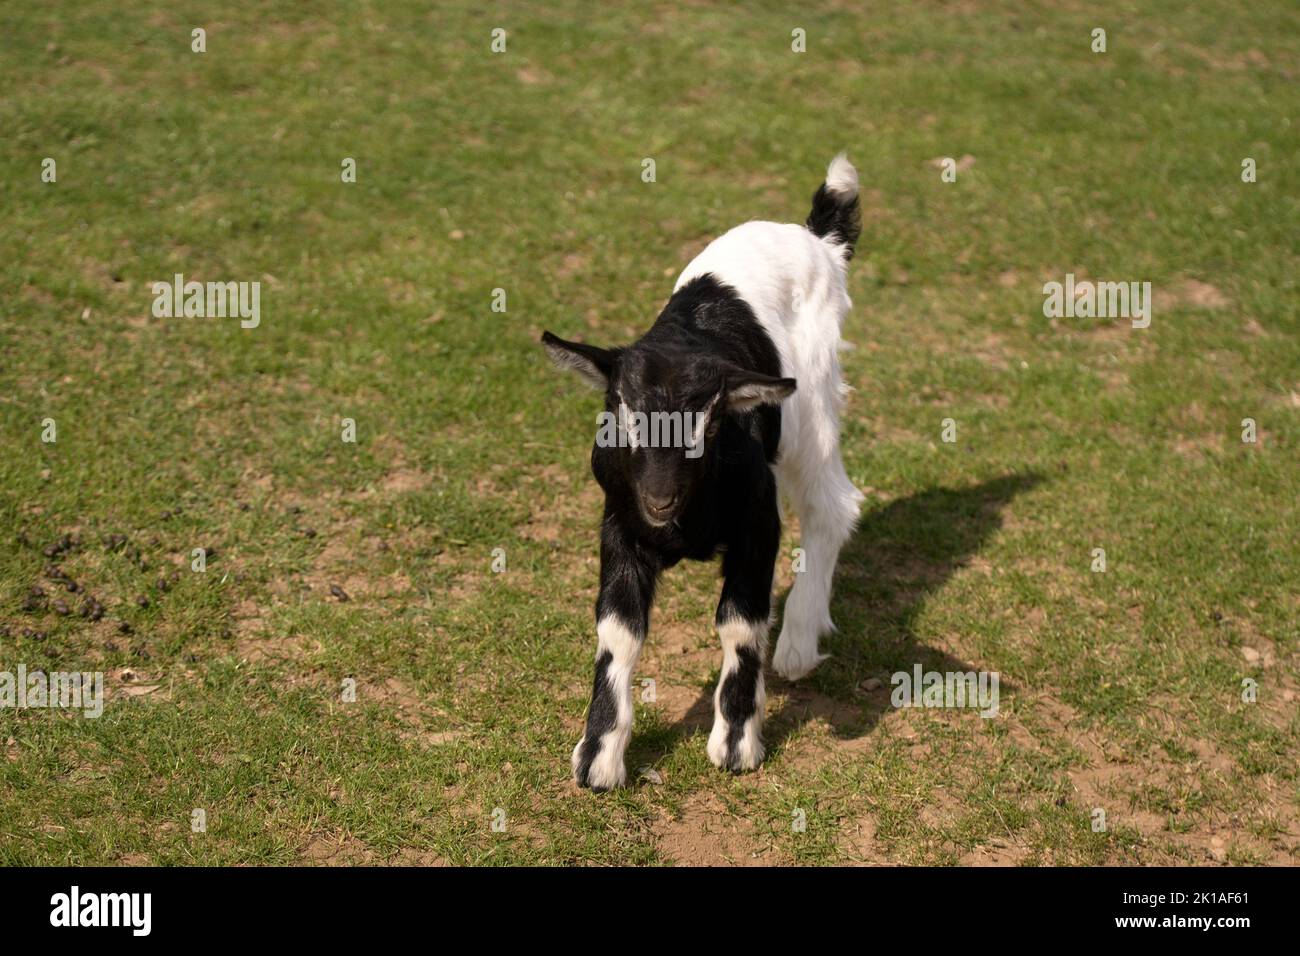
{"x":745,"y":354}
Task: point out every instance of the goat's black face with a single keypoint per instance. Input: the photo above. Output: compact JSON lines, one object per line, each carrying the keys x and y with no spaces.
{"x":664,"y":406}
{"x":670,"y":407}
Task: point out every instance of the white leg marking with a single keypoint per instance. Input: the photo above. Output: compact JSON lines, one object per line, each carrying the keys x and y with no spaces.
{"x":738,"y":635}
{"x":607,"y":770}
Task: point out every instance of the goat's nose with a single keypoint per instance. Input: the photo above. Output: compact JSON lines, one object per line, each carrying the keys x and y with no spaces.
{"x":658,"y":503}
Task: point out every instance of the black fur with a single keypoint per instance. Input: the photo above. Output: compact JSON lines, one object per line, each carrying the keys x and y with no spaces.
{"x":601,"y":717}
{"x":835,"y":216}
{"x":704,"y":343}
{"x":738,"y":699}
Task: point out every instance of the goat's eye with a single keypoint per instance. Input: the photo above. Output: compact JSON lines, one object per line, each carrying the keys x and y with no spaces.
{"x":712,"y":429}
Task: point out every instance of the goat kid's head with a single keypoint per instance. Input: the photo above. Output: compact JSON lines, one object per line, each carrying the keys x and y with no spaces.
{"x":664,"y":406}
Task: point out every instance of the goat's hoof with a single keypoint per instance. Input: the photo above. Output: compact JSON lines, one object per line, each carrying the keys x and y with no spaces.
{"x":600,"y":771}
{"x":746,"y":755}
{"x":793,"y":659}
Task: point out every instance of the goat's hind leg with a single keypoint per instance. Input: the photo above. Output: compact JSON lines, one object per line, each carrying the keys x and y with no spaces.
{"x":827,"y":504}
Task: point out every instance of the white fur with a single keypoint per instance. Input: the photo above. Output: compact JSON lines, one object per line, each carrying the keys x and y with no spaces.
{"x":797,"y":286}
{"x":607,"y":769}
{"x":841,"y":177}
{"x":737,"y":633}
{"x":625,"y":422}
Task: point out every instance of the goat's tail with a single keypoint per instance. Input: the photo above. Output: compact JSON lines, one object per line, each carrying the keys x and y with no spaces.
{"x":835,"y":214}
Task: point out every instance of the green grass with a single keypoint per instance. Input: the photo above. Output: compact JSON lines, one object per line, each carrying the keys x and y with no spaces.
{"x":522,"y":171}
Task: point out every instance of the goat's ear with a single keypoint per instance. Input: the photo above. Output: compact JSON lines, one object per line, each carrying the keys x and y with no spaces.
{"x":747,"y":390}
{"x":593,"y":363}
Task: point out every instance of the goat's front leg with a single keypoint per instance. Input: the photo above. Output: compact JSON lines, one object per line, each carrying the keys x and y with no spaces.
{"x":743,"y":619}
{"x":627,"y":584}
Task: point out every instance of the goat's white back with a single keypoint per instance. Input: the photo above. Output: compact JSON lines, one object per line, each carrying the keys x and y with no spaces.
{"x":796,"y":285}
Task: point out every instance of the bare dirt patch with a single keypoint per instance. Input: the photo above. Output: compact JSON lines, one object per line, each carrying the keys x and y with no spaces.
{"x":706,"y":833}
{"x":1190,"y":292}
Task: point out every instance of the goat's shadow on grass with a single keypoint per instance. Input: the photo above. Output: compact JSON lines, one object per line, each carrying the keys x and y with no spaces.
{"x":899,"y":555}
